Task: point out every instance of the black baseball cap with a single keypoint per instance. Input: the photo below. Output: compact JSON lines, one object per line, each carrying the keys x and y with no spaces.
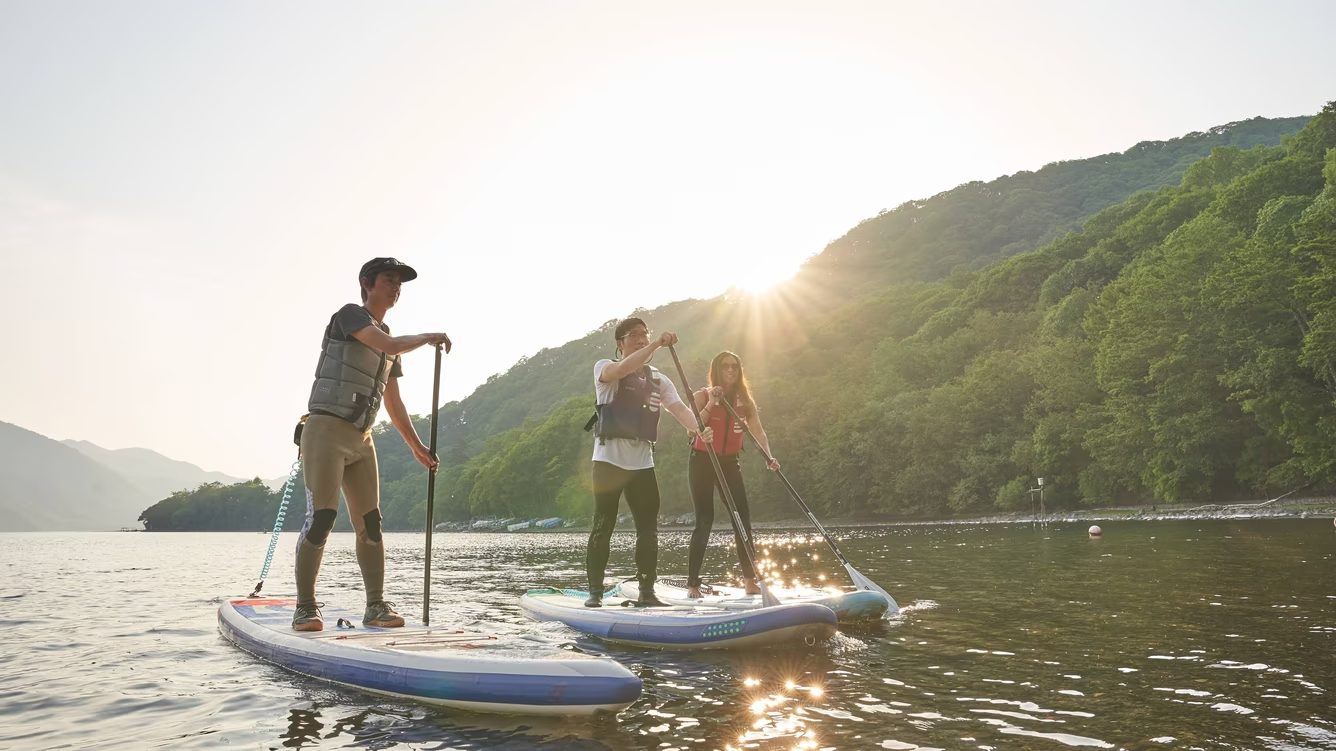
{"x":377,"y":265}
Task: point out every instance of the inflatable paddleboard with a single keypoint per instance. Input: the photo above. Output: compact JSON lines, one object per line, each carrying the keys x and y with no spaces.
{"x":857,"y":605}
{"x":681,"y":627}
{"x":437,"y":665}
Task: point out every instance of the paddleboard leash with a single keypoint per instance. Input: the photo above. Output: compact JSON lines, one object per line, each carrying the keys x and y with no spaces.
{"x":278,"y":525}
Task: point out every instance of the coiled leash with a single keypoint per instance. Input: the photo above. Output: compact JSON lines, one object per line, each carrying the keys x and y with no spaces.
{"x":282,"y":507}
{"x":278,"y":525}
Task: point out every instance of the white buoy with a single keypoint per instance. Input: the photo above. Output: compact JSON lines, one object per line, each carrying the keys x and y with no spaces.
{"x":1095,"y":531}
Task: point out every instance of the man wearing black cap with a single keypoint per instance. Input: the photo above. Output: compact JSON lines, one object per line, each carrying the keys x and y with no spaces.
{"x":358,"y":368}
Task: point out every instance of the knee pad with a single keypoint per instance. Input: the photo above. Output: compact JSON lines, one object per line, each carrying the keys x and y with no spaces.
{"x":322,"y":521}
{"x":372,"y":521}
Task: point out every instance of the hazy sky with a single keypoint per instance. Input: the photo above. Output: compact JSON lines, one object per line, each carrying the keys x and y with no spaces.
{"x":187,"y":189}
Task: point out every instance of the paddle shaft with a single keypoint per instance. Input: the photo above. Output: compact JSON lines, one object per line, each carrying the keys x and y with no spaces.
{"x":431,"y":492}
{"x":748,"y":549}
{"x":793,"y":492}
{"x":860,"y":580}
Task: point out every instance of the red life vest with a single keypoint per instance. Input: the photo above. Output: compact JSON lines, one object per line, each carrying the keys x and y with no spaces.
{"x":728,"y":433}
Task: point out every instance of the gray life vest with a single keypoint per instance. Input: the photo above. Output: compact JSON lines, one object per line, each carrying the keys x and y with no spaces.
{"x":349,"y":380}
{"x":634,"y":409}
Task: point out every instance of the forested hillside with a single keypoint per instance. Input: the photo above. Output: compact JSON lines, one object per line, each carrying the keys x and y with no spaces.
{"x":942,"y":394}
{"x":977,"y":223}
{"x":933,"y":361}
{"x":1178,"y":348}
{"x":958,"y":230}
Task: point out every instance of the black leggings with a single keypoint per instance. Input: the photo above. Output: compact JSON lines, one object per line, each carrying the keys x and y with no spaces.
{"x":642,"y":496}
{"x":703,"y":484}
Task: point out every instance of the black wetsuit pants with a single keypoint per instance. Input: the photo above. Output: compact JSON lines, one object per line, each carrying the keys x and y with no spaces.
{"x":642,"y":496}
{"x":703,"y":485}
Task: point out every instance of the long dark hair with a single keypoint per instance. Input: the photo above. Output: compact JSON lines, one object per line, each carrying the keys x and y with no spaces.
{"x":741,"y":389}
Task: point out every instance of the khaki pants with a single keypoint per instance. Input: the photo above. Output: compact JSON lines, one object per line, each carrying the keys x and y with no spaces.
{"x":337,"y":456}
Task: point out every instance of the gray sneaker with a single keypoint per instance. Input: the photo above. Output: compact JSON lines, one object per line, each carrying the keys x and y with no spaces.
{"x":307,"y":617}
{"x":381,"y":615}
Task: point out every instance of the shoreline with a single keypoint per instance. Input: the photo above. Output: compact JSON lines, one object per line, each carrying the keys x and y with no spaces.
{"x":1308,"y":508}
{"x":1304,"y":508}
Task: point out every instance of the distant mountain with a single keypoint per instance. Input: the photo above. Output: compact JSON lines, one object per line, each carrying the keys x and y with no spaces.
{"x":276,"y":483}
{"x":159,"y":476}
{"x":46,"y":485}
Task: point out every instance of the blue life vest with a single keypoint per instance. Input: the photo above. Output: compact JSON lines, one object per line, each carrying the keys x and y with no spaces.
{"x":634,"y":410}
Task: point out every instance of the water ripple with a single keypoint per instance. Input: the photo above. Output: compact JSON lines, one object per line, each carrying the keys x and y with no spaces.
{"x":1182,"y":634}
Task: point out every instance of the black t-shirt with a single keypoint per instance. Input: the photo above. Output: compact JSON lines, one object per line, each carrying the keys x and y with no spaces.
{"x":352,"y":318}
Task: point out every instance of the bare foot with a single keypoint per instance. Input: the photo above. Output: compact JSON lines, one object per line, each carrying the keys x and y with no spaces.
{"x":750,"y":587}
{"x":693,"y":593}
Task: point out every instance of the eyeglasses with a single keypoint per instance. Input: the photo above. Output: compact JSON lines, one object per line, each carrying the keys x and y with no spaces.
{"x":730,"y":366}
{"x":635,"y":332}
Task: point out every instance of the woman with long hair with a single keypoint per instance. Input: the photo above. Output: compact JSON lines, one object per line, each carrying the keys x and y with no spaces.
{"x":727,"y":383}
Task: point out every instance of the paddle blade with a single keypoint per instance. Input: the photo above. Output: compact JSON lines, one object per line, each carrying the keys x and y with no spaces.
{"x":768,"y":598}
{"x":862,"y":582}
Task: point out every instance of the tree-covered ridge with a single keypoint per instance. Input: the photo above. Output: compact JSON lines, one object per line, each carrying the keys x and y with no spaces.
{"x":1144,"y":357}
{"x":977,"y":223}
{"x":1177,"y":348}
{"x":956,"y":229}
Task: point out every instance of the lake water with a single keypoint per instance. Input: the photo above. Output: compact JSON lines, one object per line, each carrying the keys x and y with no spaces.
{"x":1169,"y":634}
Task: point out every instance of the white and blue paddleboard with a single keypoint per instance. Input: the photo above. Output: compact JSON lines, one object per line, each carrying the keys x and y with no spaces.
{"x":681,"y":627}
{"x":462,"y":669}
{"x":858,"y":605}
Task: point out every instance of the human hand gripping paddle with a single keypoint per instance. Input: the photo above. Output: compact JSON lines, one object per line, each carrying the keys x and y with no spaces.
{"x":860,"y":581}
{"x":431,"y":491}
{"x":768,"y":598}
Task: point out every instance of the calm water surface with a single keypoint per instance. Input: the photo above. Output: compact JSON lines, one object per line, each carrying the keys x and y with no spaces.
{"x":1182,"y":635}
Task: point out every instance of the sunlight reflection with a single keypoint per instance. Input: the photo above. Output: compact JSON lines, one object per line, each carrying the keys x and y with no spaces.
{"x":780,"y":715}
